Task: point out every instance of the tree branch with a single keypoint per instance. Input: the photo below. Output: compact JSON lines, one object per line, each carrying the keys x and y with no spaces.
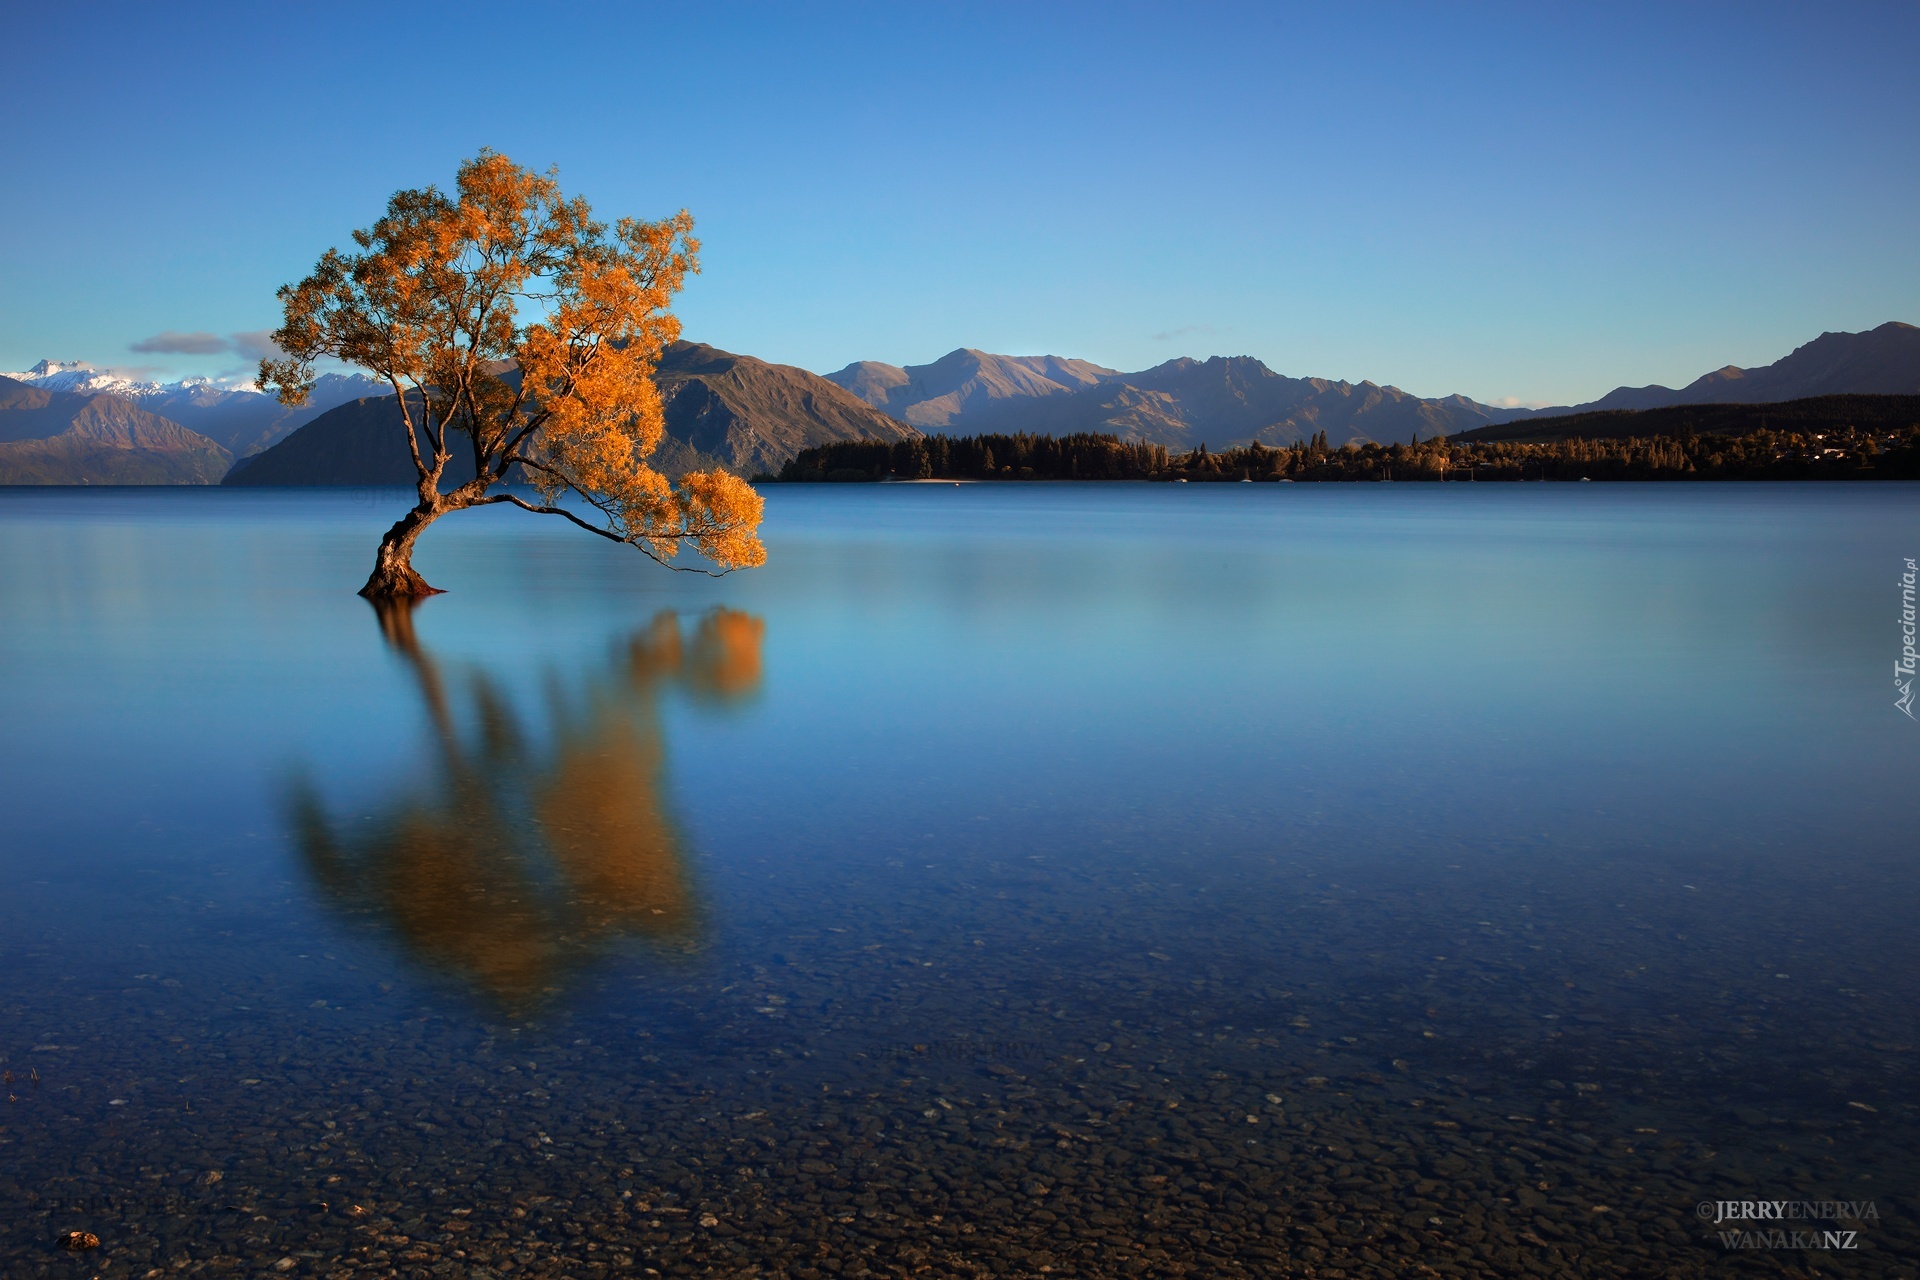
{"x":534,"y":423}
{"x":435,"y":436}
{"x":406,"y":416}
{"x":608,"y":534}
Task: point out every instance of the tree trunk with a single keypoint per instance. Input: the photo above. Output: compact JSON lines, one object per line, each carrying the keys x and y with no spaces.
{"x":393,"y":576}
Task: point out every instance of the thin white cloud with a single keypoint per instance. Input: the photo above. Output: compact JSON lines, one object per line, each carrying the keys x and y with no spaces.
{"x":1184,"y":331}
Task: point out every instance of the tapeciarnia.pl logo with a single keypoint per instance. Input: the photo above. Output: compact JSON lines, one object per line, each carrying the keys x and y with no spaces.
{"x":1903,"y":668}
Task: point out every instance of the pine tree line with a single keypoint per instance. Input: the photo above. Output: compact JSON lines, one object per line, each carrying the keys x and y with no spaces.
{"x":1838,"y":454}
{"x":987,"y":457}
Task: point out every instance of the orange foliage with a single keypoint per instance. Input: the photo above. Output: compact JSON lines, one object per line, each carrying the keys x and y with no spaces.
{"x":565,"y":399}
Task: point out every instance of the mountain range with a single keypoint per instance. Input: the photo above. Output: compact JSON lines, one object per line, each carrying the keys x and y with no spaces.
{"x":72,"y":424}
{"x":1222,"y":401}
{"x":1881,"y":362}
{"x":234,"y":415}
{"x":1234,"y":400}
{"x":62,"y":437}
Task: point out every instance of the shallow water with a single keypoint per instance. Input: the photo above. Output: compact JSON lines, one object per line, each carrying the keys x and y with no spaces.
{"x":1014,"y":880}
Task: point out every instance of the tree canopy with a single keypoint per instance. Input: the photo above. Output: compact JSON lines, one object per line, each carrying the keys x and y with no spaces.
{"x":562,"y":398}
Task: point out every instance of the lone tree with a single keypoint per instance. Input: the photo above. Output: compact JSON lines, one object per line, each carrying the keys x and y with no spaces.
{"x":565,"y":400}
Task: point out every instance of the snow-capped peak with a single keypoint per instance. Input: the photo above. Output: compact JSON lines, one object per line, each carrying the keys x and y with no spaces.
{"x":82,"y":378}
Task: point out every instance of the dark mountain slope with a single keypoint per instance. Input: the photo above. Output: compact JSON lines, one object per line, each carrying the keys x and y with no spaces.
{"x":1880,"y":361}
{"x":1883,"y":361}
{"x":751,"y":416}
{"x":1806,"y":416}
{"x":357,"y":443}
{"x":721,"y":410}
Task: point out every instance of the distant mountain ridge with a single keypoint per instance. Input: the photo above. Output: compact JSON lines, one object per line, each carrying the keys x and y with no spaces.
{"x":1228,"y":401}
{"x":964,"y":384}
{"x":721,"y":409}
{"x":62,"y":437}
{"x":232,"y":413}
{"x":1883,"y":361}
{"x":1222,"y":401}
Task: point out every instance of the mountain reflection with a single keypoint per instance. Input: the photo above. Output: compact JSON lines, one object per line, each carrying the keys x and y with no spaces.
{"x":517,"y":861}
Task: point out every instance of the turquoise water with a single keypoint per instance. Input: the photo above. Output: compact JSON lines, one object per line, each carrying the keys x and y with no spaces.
{"x":1068,"y":880}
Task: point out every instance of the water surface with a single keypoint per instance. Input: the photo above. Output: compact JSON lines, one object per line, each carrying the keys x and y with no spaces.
{"x":1029,"y":879}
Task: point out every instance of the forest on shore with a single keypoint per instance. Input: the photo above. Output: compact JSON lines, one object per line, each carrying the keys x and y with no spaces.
{"x":1836,"y":453}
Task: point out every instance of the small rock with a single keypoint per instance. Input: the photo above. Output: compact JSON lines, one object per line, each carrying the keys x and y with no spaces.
{"x":79,"y":1241}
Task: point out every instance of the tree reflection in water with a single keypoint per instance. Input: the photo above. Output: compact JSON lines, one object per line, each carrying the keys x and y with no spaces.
{"x":518,"y":862}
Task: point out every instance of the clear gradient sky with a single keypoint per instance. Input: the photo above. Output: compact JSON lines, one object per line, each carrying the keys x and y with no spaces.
{"x":1537,"y":201}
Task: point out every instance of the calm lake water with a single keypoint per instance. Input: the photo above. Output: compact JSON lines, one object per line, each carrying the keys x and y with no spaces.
{"x":1010,"y":880}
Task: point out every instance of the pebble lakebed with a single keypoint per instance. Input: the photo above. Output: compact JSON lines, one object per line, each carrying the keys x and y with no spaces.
{"x":814,"y":1111}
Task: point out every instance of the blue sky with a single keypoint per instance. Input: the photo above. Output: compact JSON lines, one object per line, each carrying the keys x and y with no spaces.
{"x":1530,"y":201}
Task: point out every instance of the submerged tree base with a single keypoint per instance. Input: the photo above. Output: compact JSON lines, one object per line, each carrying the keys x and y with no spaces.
{"x":393,"y":576}
{"x":398,"y":584}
